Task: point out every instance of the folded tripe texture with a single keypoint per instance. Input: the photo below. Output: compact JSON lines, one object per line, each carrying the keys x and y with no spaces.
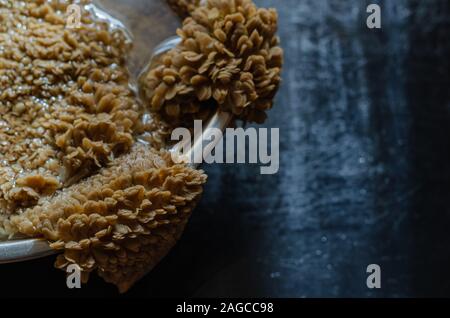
{"x":65,"y":105}
{"x":183,"y":7}
{"x":229,"y":57}
{"x":68,"y":114}
{"x":121,"y":221}
{"x":71,"y":167}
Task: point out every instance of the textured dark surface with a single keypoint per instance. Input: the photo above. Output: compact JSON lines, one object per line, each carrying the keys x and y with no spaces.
{"x":364,"y":118}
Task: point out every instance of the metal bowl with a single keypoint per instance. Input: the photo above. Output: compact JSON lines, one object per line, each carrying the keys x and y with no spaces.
{"x":17,"y":250}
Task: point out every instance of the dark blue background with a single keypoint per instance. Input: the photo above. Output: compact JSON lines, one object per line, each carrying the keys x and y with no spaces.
{"x":364,"y":118}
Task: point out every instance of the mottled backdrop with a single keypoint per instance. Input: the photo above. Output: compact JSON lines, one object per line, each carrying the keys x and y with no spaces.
{"x":364,"y":118}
